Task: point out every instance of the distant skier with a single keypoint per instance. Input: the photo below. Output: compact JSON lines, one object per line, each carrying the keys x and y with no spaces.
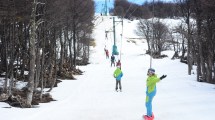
{"x":118,"y":63}
{"x":118,"y":75}
{"x":113,"y":60}
{"x":107,"y":53}
{"x":151,"y":92}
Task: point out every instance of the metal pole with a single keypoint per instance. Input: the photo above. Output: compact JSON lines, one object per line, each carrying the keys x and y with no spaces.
{"x":121,"y":41}
{"x":106,"y":7}
{"x":114,"y":33}
{"x":152,"y":35}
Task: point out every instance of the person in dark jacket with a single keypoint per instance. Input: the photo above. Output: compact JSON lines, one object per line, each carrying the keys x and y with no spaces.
{"x":113,"y":60}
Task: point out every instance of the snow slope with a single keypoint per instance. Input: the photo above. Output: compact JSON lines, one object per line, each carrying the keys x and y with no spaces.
{"x":92,"y":96}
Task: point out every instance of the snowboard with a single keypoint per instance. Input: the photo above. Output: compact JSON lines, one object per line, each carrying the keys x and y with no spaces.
{"x":145,"y":117}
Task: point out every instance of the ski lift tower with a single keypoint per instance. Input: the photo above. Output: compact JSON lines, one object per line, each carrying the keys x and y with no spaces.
{"x":105,"y":8}
{"x":115,"y":51}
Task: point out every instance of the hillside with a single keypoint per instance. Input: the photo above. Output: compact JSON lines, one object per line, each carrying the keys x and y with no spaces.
{"x":93,"y":97}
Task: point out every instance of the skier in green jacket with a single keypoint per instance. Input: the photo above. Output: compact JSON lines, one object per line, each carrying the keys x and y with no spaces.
{"x":118,"y":75}
{"x":151,"y":91}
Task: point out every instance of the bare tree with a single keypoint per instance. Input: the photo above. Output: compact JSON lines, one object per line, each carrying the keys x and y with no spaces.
{"x":160,"y":32}
{"x":160,"y":35}
{"x":185,"y":6}
{"x":145,"y":29}
{"x":34,"y":32}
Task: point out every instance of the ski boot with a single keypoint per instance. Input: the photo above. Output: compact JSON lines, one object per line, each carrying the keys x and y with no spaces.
{"x":116,"y":90}
{"x":146,"y":117}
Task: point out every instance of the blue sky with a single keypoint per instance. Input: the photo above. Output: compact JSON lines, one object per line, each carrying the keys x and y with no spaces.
{"x":100,"y":3}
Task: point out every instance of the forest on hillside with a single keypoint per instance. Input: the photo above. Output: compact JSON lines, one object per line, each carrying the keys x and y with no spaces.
{"x":131,"y":10}
{"x":41,"y":41}
{"x":194,"y":37}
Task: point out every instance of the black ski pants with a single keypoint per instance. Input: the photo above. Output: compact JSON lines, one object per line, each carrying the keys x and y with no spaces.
{"x":118,"y":83}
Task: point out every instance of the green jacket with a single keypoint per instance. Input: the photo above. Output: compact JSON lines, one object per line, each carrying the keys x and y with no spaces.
{"x":151,"y":83}
{"x":118,"y":74}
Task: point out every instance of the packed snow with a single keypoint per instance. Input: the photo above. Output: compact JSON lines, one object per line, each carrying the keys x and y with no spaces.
{"x":93,"y":97}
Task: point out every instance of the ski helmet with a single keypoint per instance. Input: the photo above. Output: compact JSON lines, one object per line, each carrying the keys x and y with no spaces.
{"x":151,"y":70}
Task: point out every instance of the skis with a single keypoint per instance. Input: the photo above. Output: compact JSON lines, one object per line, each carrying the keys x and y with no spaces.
{"x":118,"y":90}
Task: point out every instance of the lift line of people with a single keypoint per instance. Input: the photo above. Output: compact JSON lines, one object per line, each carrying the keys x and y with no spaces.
{"x":151,"y":81}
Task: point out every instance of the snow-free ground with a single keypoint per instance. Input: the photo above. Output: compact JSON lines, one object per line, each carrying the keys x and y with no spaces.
{"x":92,"y":95}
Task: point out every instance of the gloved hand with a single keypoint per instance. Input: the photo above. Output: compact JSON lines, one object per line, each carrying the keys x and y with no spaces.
{"x":162,"y":77}
{"x":114,"y":76}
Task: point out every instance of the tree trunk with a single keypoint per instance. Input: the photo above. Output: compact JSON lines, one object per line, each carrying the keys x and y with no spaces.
{"x":52,"y":78}
{"x":199,"y":55}
{"x":38,"y":68}
{"x":189,"y":45}
{"x":42,"y":68}
{"x":32,"y":56}
{"x":74,"y":44}
{"x":61,"y":52}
